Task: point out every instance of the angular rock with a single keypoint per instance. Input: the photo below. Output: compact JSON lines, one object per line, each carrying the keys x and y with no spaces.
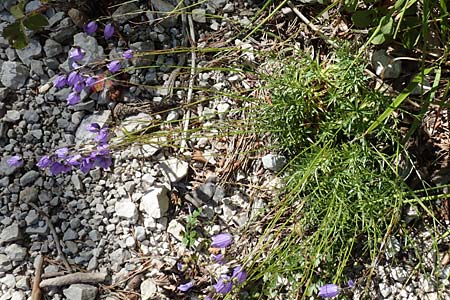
{"x":14,"y":74}
{"x":29,"y":178}
{"x":12,"y":116}
{"x":174,"y":169}
{"x":217,"y":4}
{"x":199,"y":15}
{"x":82,"y":135}
{"x":165,"y":7}
{"x":142,"y":47}
{"x":176,"y":229}
{"x":28,"y":194}
{"x":16,"y":252}
{"x":65,"y":31}
{"x":10,"y":233}
{"x":5,"y":263}
{"x":5,"y":168}
{"x":80,"y":292}
{"x":52,"y":48}
{"x":126,"y":209}
{"x":155,"y":202}
{"x":274,"y":162}
{"x":148,"y":289}
{"x":93,"y":51}
{"x":70,"y":235}
{"x":125,"y":12}
{"x":32,"y":50}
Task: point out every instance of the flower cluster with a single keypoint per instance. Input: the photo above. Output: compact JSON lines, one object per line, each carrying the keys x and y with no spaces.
{"x":225,"y":283}
{"x":77,"y":81}
{"x":62,"y":161}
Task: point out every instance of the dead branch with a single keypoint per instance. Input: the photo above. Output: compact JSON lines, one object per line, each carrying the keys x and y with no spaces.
{"x":36,"y":293}
{"x":74,"y":278}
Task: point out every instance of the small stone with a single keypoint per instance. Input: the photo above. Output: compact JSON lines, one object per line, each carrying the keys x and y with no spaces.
{"x":31,"y":116}
{"x":36,"y":67}
{"x":199,"y":15}
{"x":76,"y":181}
{"x":165,"y":7}
{"x":10,"y":234}
{"x":155,"y":202}
{"x":70,"y":235}
{"x":74,"y":223}
{"x":5,"y":263}
{"x":12,"y":116}
{"x":148,"y":289}
{"x":217,"y":4}
{"x":95,"y":235}
{"x":29,"y":178}
{"x":16,"y":252}
{"x":139,"y":233}
{"x":125,"y":12}
{"x":176,"y":229}
{"x":8,"y":280}
{"x":93,"y":51}
{"x":22,"y":283}
{"x":93,"y":264}
{"x":205,"y":192}
{"x":399,"y":274}
{"x":130,"y":242}
{"x":32,"y":50}
{"x":80,"y":292}
{"x":18,"y":295}
{"x":274,"y":162}
{"x":174,"y":169}
{"x":126,"y":209}
{"x":32,"y":217}
{"x":228,"y":8}
{"x":52,"y":48}
{"x":119,"y":256}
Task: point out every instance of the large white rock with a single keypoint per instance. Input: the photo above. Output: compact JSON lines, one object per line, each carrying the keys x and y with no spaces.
{"x":126,"y":209}
{"x":174,"y":169}
{"x":155,"y":202}
{"x":148,"y":289}
{"x":273,"y":162}
{"x":80,"y":292}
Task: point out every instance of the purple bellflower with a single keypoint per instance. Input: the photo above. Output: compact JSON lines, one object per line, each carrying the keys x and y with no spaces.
{"x":60,"y":81}
{"x":91,"y":28}
{"x":58,"y":168}
{"x":15,"y":161}
{"x":76,"y":54}
{"x":328,"y":291}
{"x":224,"y":285}
{"x":109,"y":31}
{"x":44,"y":162}
{"x":239,"y":275}
{"x":62,"y":152}
{"x":73,"y":98}
{"x":129,"y":54}
{"x":185,"y":287}
{"x":74,"y":78}
{"x":90,"y":81}
{"x":102,"y":136}
{"x":222,"y":240}
{"x":87,"y":164}
{"x":114,"y":66}
{"x":218,"y":258}
{"x":351,"y":283}
{"x":93,"y":127}
{"x":79,"y":86}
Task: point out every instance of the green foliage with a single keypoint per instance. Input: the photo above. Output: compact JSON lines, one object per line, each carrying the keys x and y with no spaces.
{"x":343,"y":194}
{"x":15,"y":33}
{"x":402,"y":21}
{"x":190,"y":234}
{"x":314,"y":101}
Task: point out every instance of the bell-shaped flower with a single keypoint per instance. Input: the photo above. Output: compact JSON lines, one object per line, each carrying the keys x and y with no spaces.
{"x":109,"y":31}
{"x":91,"y":27}
{"x":222,"y":240}
{"x":328,"y":291}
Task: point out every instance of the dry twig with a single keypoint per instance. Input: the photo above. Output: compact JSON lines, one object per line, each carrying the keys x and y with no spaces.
{"x":36,"y":293}
{"x":74,"y":278}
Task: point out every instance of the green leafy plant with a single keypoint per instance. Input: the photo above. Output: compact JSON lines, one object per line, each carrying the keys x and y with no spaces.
{"x":15,"y":33}
{"x":190,"y":234}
